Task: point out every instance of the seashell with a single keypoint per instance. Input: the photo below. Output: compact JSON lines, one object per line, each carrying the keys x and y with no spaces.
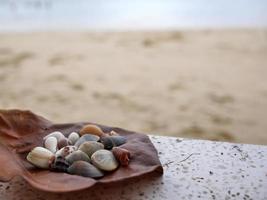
{"x":105,"y":160}
{"x":113,"y":133}
{"x":122,"y":155}
{"x":66,"y":151}
{"x":51,"y":144}
{"x":85,"y":138}
{"x":76,"y":156}
{"x":91,"y":147}
{"x":112,"y":141}
{"x":55,"y":134}
{"x":60,"y":164}
{"x":73,"y":137}
{"x":86,"y":169}
{"x":92,"y":129}
{"x":40,"y":157}
{"x":63,"y":142}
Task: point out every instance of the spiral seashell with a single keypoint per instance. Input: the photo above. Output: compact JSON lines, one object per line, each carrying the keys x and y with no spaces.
{"x":122,"y":155}
{"x":76,"y":156}
{"x":40,"y":157}
{"x":66,"y":151}
{"x":85,"y":138}
{"x":51,"y":144}
{"x":104,"y":160}
{"x":55,"y":134}
{"x":85,"y":169}
{"x":63,"y":142}
{"x":60,"y":164}
{"x":112,"y":141}
{"x":92,"y":129}
{"x":90,"y":147}
{"x":73,"y":137}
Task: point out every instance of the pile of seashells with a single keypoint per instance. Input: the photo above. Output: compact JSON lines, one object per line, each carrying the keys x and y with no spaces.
{"x":90,"y":153}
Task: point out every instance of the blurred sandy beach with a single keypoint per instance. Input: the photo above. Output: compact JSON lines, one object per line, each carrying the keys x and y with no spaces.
{"x":198,"y":84}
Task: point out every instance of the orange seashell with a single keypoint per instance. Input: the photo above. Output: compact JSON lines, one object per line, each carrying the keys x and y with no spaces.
{"x":91,"y":129}
{"x":122,"y":155}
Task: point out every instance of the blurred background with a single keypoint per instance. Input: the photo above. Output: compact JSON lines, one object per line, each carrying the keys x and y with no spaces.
{"x":194,"y":69}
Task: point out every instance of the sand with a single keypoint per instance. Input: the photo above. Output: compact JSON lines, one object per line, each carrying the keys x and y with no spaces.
{"x":193,"y":84}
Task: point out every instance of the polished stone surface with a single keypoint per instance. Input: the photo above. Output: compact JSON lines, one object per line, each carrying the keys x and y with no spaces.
{"x":193,"y":169}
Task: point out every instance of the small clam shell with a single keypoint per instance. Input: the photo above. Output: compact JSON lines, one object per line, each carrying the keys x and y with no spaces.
{"x":40,"y":157}
{"x":104,"y":160}
{"x":66,"y":151}
{"x":113,"y":133}
{"x":85,"y":169}
{"x":122,"y":155}
{"x":55,"y":134}
{"x":92,"y":129}
{"x":60,"y":164}
{"x":73,"y":137}
{"x":85,"y":138}
{"x":91,"y":147}
{"x":76,"y":156}
{"x":51,"y":144}
{"x":112,"y":141}
{"x":63,"y":142}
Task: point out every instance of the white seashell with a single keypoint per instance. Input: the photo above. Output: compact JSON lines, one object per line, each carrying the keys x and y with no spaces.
{"x":113,"y":133}
{"x":51,"y":144}
{"x":66,"y":151}
{"x":104,"y":160}
{"x":55,"y":134}
{"x":73,"y":137}
{"x":40,"y":157}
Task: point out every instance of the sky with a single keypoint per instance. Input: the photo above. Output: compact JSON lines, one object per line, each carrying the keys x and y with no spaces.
{"x":20,"y":15}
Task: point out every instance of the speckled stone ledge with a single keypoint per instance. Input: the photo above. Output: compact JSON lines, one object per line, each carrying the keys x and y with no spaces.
{"x":193,"y":169}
